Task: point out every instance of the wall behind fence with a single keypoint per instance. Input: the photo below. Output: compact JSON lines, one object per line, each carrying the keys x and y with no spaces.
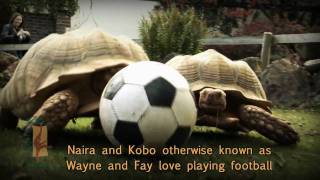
{"x":41,"y":25}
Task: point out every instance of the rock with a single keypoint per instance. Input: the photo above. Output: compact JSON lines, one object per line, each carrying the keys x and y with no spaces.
{"x":279,"y":51}
{"x":316,"y":82}
{"x":312,"y":66}
{"x":3,"y":80}
{"x":8,"y":64}
{"x":11,"y":68}
{"x":286,"y":84}
{"x":6,"y":59}
{"x":315,"y":93}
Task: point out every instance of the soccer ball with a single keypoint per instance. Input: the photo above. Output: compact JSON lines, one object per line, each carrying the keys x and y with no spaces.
{"x":147,"y":103}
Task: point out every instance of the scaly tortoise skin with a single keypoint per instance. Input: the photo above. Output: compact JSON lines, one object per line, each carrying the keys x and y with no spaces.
{"x":63,"y":76}
{"x":229,"y":96}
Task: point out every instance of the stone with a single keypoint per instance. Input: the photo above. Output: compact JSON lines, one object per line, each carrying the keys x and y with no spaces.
{"x":315,"y":89}
{"x":286,"y":84}
{"x":6,"y":59}
{"x":8,"y":64}
{"x":313,"y":66}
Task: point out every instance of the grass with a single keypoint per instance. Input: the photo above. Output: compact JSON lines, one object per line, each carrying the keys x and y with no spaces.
{"x":299,"y":161}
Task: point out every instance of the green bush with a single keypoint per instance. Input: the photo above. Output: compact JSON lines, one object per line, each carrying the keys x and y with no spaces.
{"x":171,"y":31}
{"x":54,"y":7}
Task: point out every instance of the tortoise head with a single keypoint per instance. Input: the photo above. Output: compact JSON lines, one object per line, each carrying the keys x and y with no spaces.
{"x":211,"y":99}
{"x":101,"y":78}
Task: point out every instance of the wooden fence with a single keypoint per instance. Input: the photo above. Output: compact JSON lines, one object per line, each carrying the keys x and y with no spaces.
{"x":266,"y":41}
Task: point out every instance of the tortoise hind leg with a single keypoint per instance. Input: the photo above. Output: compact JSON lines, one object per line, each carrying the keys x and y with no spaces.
{"x":56,"y":111}
{"x":268,"y":125}
{"x":7,"y":119}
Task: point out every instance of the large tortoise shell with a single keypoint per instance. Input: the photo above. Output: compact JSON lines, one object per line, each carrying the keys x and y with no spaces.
{"x":63,"y":59}
{"x":212,"y":69}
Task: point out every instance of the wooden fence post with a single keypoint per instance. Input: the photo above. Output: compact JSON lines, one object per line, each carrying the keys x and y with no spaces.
{"x":266,"y":49}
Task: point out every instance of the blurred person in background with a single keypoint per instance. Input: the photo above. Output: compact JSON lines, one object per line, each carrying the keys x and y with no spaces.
{"x":14,"y":33}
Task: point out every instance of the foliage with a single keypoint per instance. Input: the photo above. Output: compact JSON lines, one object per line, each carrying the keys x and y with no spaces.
{"x":284,"y":26}
{"x":238,"y":18}
{"x":54,"y":7}
{"x":171,"y":31}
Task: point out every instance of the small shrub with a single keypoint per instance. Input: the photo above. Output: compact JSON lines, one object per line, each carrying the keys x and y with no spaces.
{"x":171,"y":31}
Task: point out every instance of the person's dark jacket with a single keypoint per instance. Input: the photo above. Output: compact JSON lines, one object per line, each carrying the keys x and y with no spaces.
{"x":9,"y":35}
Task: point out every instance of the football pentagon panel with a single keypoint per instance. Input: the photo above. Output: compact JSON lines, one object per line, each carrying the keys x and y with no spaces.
{"x":128,"y":132}
{"x":167,"y":95}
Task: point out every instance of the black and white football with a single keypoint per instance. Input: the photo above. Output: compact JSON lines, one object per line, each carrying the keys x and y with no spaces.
{"x":147,"y":103}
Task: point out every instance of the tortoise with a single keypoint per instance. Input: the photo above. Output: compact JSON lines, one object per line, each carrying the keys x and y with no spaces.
{"x":62,"y":77}
{"x":229,"y":96}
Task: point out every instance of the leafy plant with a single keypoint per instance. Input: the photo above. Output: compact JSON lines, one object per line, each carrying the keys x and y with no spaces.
{"x":54,"y":7}
{"x":172,"y":31}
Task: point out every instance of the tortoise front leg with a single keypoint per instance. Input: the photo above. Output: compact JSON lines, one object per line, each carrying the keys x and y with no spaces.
{"x":56,"y":111}
{"x":266,"y":124}
{"x":226,"y":121}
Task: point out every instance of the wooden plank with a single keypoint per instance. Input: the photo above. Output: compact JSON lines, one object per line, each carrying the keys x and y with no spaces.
{"x":278,"y":39}
{"x":14,"y":47}
{"x":232,"y":40}
{"x":297,"y":38}
{"x":266,"y":49}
